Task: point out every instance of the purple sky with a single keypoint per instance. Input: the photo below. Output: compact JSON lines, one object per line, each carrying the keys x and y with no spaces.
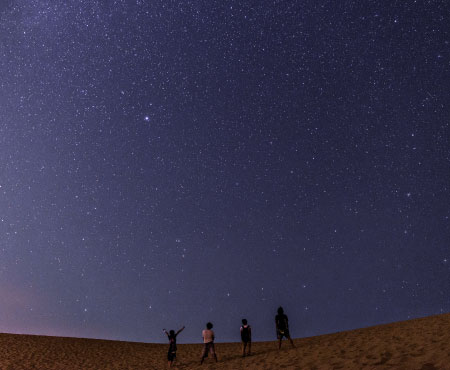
{"x":168,"y":163}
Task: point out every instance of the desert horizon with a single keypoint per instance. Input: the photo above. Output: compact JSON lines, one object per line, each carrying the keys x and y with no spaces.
{"x":170,"y":163}
{"x":413,"y":344}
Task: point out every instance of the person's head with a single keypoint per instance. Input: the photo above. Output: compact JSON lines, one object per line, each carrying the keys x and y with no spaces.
{"x":244,"y":321}
{"x":209,"y":326}
{"x":172,"y":333}
{"x":280,"y":310}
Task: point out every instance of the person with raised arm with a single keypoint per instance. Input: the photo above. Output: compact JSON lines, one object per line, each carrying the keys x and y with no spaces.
{"x":172,"y":354}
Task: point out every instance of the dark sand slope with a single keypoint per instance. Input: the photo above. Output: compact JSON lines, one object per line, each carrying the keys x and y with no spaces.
{"x":416,"y":344}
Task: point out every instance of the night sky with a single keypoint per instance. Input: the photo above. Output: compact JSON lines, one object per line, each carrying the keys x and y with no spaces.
{"x":167,"y":163}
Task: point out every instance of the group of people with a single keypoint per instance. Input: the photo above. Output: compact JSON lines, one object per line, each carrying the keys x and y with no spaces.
{"x":282,"y":328}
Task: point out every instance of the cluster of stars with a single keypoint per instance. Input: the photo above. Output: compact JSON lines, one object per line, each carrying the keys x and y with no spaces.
{"x":174,"y":161}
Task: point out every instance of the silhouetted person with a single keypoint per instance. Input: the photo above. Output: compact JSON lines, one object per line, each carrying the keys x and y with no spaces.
{"x":246,"y":337}
{"x":172,"y":354}
{"x":282,"y":324}
{"x":208,"y":342}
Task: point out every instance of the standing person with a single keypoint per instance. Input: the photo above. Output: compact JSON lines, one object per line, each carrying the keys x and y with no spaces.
{"x":208,"y":342}
{"x":282,"y":324}
{"x":172,"y":354}
{"x":246,"y":337}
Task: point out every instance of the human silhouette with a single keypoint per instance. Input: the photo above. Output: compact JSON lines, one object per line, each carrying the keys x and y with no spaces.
{"x":172,"y":354}
{"x":282,"y":325}
{"x":246,"y":337}
{"x":208,"y":342}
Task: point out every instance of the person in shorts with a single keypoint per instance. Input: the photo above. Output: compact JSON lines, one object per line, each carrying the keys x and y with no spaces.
{"x":172,"y":354}
{"x":246,"y":337}
{"x":282,"y":325}
{"x":208,"y":342}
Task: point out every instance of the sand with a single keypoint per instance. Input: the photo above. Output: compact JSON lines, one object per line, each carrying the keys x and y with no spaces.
{"x":415,"y":344}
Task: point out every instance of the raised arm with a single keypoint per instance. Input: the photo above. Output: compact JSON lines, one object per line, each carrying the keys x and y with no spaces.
{"x":165,"y":331}
{"x":179,"y":331}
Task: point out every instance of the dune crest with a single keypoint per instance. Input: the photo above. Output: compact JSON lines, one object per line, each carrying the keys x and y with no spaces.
{"x":421,"y":344}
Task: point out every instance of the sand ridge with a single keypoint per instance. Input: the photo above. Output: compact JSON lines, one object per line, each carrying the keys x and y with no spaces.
{"x":422,"y":344}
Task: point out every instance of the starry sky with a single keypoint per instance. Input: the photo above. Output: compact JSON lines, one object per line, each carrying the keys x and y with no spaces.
{"x":167,"y":163}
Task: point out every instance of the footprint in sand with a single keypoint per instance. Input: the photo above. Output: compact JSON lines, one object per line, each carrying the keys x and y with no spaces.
{"x":385,"y":358}
{"x":428,"y":366}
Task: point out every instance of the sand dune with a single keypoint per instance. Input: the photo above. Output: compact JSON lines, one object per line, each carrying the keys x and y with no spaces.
{"x":416,"y":344}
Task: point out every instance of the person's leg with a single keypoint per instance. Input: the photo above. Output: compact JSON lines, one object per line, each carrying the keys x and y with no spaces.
{"x":290,"y":340}
{"x":243,"y":349}
{"x":213,"y":350}
{"x":279,"y":342}
{"x":249,"y":348}
{"x":203,"y":354}
{"x":203,"y":358}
